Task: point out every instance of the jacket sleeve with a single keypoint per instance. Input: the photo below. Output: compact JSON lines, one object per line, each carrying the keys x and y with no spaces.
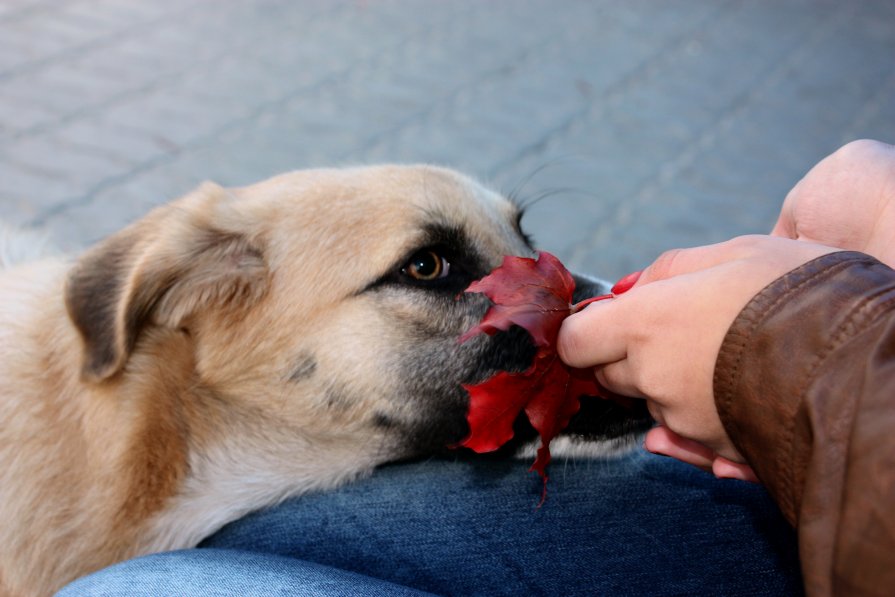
{"x":805,"y":386}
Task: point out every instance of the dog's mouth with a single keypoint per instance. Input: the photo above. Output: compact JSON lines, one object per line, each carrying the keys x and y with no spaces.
{"x":513,"y":351}
{"x":598,"y":419}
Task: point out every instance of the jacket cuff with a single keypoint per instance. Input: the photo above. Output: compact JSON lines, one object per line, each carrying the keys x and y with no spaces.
{"x":772,"y":356}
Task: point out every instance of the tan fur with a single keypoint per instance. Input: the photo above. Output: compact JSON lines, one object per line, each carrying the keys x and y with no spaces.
{"x":145,"y":390}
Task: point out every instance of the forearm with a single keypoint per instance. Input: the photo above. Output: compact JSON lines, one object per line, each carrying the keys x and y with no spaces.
{"x":805,"y":386}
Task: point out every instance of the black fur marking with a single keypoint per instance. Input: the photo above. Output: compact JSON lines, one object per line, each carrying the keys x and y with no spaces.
{"x":336,"y":398}
{"x":303,"y":368}
{"x":384,"y":421}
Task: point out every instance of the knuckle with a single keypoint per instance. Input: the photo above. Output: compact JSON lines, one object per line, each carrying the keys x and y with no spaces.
{"x":859,"y":150}
{"x":605,"y":378}
{"x":663,"y":267}
{"x":647,"y":384}
{"x":614,"y":378}
{"x":746,"y":241}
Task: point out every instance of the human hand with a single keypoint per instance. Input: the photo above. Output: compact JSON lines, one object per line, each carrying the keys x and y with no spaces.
{"x":847,"y":201}
{"x":660,"y":340}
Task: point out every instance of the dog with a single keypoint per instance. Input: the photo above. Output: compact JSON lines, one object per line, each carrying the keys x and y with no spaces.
{"x":240,"y":346}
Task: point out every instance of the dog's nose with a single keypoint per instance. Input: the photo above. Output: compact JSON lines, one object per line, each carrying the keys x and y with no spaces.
{"x":587,"y":287}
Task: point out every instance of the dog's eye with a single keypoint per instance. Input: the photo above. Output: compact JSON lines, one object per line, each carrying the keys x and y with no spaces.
{"x":427,"y":265}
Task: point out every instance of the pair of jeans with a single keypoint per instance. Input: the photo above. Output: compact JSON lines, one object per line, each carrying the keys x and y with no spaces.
{"x":634,"y":525}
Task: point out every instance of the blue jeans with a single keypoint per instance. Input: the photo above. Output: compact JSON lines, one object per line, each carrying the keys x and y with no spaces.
{"x":636,"y":525}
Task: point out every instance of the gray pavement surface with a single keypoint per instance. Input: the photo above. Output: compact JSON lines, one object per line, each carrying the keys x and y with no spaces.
{"x":640,"y":125}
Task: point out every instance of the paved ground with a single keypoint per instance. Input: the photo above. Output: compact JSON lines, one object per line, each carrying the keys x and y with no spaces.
{"x":643,"y":124}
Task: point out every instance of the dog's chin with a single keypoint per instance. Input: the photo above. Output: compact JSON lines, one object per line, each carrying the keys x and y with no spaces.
{"x":602,"y":427}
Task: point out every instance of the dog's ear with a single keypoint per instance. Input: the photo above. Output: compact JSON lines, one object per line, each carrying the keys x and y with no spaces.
{"x":181,"y":260}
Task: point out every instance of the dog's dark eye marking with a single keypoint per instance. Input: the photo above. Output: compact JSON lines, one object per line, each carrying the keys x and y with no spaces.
{"x":303,"y":368}
{"x":460,"y":263}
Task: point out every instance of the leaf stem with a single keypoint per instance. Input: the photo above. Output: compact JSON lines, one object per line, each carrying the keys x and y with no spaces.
{"x":579,"y":306}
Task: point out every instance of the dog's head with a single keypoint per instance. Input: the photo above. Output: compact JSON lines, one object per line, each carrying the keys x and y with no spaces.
{"x":326,"y":304}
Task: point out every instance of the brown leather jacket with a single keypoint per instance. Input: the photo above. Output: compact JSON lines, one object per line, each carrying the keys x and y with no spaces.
{"x":805,"y":386}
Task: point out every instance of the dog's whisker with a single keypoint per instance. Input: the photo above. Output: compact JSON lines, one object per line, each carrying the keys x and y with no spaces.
{"x":514,"y":193}
{"x":552,"y":192}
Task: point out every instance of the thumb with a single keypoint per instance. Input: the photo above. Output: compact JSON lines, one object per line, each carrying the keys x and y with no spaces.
{"x":594,"y":336}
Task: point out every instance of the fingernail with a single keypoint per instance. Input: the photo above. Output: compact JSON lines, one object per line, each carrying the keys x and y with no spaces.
{"x":626,"y":283}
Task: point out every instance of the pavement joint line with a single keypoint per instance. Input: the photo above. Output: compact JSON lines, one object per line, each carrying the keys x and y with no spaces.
{"x":613,"y":93}
{"x":99,"y":42}
{"x":27,"y":11}
{"x":495,"y":73}
{"x":74,"y":202}
{"x":69,"y":203}
{"x":128,"y":94}
{"x":705,"y":139}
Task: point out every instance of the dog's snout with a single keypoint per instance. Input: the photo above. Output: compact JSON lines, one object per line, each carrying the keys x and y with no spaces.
{"x":587,"y":287}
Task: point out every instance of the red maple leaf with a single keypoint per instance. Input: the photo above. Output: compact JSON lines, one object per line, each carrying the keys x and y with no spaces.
{"x":537,"y":296}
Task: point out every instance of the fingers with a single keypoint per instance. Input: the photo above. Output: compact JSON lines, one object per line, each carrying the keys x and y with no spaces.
{"x":594,"y":336}
{"x":727,"y":469}
{"x":661,"y":440}
{"x":600,"y":335}
{"x":619,"y":378}
{"x":765,"y":255}
{"x":677,"y":262}
{"x":785,"y":227}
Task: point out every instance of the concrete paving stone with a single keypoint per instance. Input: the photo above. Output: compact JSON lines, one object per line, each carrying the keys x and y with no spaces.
{"x":106,"y":15}
{"x":79,"y":226}
{"x":559,"y":221}
{"x":721,"y":187}
{"x":243,"y":159}
{"x":876,"y":117}
{"x":63,"y":88}
{"x":137,"y":13}
{"x":128,"y":68}
{"x":49,"y":155}
{"x":10,"y":10}
{"x":157,"y":54}
{"x":646,"y":107}
{"x":328,"y":42}
{"x":11,"y":54}
{"x":613,"y":261}
{"x":723,"y":212}
{"x":417,"y":142}
{"x":25,"y":194}
{"x":168,"y":118}
{"x":630,"y":71}
{"x":39,"y":38}
{"x":687,"y":119}
{"x":237,"y":79}
{"x":331,"y":121}
{"x":18,"y":115}
{"x":97,"y":135}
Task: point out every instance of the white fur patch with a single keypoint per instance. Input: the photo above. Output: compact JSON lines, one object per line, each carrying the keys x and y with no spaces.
{"x":564,"y":446}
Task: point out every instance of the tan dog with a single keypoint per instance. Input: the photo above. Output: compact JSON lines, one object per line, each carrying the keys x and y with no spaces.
{"x":234,"y":348}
